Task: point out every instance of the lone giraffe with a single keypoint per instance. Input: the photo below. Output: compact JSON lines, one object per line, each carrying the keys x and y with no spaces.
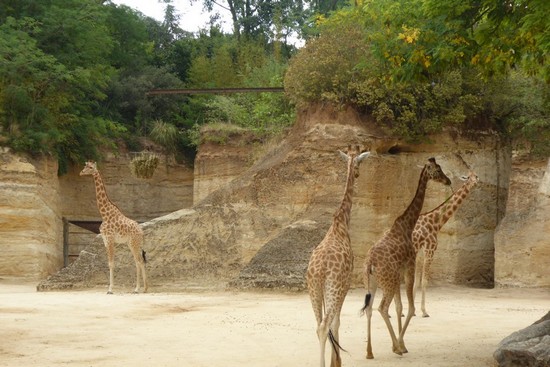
{"x":117,"y":228}
{"x":428,"y":226}
{"x":329,"y":270}
{"x":391,"y":257}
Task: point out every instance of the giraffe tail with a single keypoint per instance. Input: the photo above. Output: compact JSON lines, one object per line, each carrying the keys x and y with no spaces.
{"x":367,"y":303}
{"x":368,"y":296}
{"x":335,"y":345}
{"x":143,"y":254}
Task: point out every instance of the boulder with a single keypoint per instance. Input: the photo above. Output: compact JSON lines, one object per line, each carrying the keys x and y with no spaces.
{"x":529,"y":347}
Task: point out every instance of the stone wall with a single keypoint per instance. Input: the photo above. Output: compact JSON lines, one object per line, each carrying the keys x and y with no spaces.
{"x":522,"y":242}
{"x":30,"y":217}
{"x":465,"y":253}
{"x":168,"y":190}
{"x":34,"y":201}
{"x":291,"y":192}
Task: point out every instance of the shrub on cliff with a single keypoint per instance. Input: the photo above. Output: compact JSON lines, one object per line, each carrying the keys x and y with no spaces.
{"x":339,"y":67}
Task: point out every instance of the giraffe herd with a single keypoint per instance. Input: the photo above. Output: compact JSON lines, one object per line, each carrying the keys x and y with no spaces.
{"x":389,"y":261}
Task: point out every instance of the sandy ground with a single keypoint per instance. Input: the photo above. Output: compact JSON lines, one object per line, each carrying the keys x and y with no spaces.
{"x":207,"y":328}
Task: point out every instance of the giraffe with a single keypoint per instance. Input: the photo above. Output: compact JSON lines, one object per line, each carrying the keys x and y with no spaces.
{"x":426,"y":229}
{"x":116,"y":228}
{"x":330,"y":266}
{"x":391,"y":257}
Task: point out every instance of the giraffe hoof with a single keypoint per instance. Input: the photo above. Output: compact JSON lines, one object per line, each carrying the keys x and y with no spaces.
{"x":370,"y":356}
{"x":425,"y":315}
{"x":109,"y":292}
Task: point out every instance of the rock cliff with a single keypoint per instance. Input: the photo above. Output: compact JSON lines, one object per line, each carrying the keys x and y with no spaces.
{"x":34,"y":201}
{"x":30,"y":217}
{"x":244,"y":230}
{"x":522,"y":245}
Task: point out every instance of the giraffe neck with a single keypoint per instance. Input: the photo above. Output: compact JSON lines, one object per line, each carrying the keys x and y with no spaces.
{"x":407,"y":220}
{"x":440,"y":215}
{"x":342,"y":215}
{"x":104,"y":204}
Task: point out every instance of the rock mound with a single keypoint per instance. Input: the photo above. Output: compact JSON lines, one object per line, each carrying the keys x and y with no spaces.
{"x":282,"y":262}
{"x":529,"y":347}
{"x":258,"y":229}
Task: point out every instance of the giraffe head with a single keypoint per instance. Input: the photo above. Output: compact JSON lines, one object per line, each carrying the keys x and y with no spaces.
{"x":89,"y":169}
{"x":435,"y":173}
{"x":354,"y":157}
{"x":471,"y":180}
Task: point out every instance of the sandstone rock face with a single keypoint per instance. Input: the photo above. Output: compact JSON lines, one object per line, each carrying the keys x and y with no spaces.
{"x":246,"y":226}
{"x":169,"y":189}
{"x":522,"y":245}
{"x":30,"y":217}
{"x":216,"y":166}
{"x":34,"y":201}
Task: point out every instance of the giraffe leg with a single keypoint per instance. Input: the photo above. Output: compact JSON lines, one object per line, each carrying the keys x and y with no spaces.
{"x":109,"y":246}
{"x":322,"y":336}
{"x":409,"y":285}
{"x":144,"y":274}
{"x":425,"y":271}
{"x":336,"y":360}
{"x":368,"y":311}
{"x":398,"y":308}
{"x":139,"y":259}
{"x":383,"y":309}
{"x":316,"y":298}
{"x":323,"y":332}
{"x":418,"y":275}
{"x":325,"y":327}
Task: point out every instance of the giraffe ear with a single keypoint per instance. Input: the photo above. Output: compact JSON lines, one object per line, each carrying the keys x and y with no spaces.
{"x":343,"y":155}
{"x":362,"y":156}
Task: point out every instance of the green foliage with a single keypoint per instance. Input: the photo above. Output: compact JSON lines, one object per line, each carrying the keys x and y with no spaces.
{"x":144,"y":165}
{"x":166,"y":135}
{"x":325,"y":69}
{"x":218,"y":133}
{"x":45,"y":107}
{"x":418,"y":66}
{"x":522,"y":105}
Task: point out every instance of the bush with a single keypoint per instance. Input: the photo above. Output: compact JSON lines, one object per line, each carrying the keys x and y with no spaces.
{"x":339,"y":68}
{"x":144,"y":165}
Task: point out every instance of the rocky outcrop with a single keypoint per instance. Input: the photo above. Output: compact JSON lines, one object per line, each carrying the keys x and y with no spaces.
{"x":30,"y":217}
{"x":218,"y":163}
{"x":529,"y":347}
{"x":244,"y":228}
{"x":35,"y":203}
{"x":282,"y":262}
{"x":522,"y":246}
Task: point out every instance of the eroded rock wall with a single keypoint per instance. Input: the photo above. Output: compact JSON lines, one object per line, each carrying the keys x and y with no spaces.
{"x":522,"y":243}
{"x":34,"y":201}
{"x":300,"y":180}
{"x":168,"y":190}
{"x":30,"y":217}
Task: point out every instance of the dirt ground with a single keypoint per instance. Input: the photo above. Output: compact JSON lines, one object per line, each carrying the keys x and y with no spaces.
{"x":227,"y":328}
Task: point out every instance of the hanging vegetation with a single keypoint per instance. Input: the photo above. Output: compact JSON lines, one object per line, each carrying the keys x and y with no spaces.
{"x":143,"y":165}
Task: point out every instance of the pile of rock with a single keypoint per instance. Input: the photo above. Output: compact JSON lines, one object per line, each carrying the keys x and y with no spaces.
{"x":529,"y":347}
